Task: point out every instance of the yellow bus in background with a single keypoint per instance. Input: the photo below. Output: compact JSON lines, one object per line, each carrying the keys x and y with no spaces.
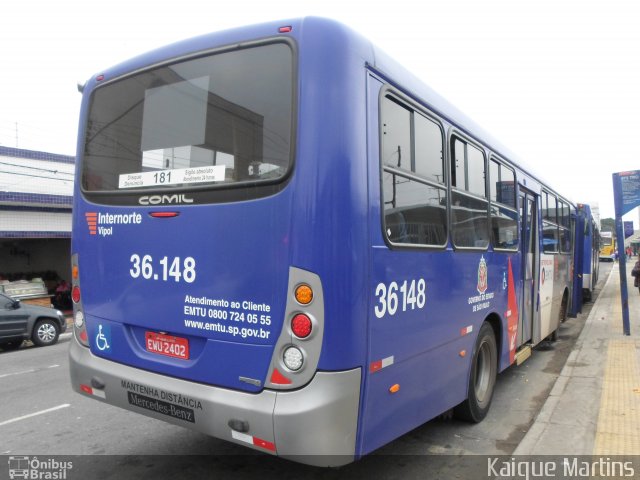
{"x":608,"y":246}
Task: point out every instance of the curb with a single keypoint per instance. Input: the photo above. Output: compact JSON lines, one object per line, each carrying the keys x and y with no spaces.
{"x":528,"y":444}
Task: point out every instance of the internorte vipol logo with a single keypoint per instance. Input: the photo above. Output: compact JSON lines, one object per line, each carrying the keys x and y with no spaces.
{"x":102,"y":223}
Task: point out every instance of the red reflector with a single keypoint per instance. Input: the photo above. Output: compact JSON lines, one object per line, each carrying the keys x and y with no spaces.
{"x":251,"y":440}
{"x":375,"y":366}
{"x":286,"y":29}
{"x":164,"y":214}
{"x":83,"y":336}
{"x":258,"y":442}
{"x":99,"y":78}
{"x":301,"y":325}
{"x":90,"y":391}
{"x":278,"y":378}
{"x":75,"y":294}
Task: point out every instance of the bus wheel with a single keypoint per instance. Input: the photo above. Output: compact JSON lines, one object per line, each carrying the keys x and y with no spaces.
{"x":563,"y":307}
{"x":482,"y":379}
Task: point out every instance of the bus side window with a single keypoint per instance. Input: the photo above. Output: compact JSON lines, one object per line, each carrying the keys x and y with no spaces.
{"x":414,"y":212}
{"x":564,"y":222}
{"x":504,"y":228}
{"x":396,"y":132}
{"x":549,"y":238}
{"x":469,"y":222}
{"x":565,"y":240}
{"x":552,"y":207}
{"x":414,"y":192}
{"x":504,"y":217}
{"x":428,"y":149}
{"x":469,"y":209}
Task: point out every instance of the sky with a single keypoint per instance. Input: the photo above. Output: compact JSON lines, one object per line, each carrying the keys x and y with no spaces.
{"x":556,"y":81}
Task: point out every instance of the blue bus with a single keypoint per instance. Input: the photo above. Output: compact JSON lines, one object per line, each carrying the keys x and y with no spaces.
{"x":283,"y":239}
{"x":586,"y":257}
{"x":587,"y":250}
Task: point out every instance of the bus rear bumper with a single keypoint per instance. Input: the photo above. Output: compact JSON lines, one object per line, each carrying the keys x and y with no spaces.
{"x":315,"y":425}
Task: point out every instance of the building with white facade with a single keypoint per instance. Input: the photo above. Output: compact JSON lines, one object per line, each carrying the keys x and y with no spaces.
{"x":36,"y":192}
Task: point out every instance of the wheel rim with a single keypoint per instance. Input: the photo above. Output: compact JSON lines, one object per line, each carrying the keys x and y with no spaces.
{"x":46,"y":332}
{"x":484,"y":377}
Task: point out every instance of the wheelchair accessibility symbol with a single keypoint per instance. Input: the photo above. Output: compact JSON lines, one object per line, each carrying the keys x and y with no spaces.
{"x":103,"y":338}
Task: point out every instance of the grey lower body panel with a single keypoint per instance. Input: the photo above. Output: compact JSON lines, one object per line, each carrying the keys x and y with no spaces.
{"x":315,"y":425}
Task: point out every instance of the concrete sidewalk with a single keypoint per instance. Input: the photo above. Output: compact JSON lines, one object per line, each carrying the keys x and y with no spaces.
{"x":594,"y":406}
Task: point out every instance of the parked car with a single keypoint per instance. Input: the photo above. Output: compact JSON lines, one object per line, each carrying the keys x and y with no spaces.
{"x":20,"y":321}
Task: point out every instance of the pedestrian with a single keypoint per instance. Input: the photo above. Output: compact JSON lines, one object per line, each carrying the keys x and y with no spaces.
{"x":635,"y":273}
{"x":62,"y":299}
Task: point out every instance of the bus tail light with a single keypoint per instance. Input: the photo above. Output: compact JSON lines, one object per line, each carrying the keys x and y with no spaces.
{"x":301,"y":325}
{"x":304,"y":294}
{"x":164,"y":214}
{"x":297,"y":351}
{"x":78,"y":319}
{"x":293,"y":358}
{"x":79,"y":323}
{"x":75,"y":294}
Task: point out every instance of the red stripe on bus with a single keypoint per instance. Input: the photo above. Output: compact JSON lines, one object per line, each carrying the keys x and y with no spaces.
{"x":258,"y":442}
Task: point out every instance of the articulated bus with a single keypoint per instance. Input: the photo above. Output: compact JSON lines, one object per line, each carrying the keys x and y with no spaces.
{"x":607,"y":246}
{"x":283,"y":239}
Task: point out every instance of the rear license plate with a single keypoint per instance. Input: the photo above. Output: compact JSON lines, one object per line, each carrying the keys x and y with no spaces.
{"x":168,"y":345}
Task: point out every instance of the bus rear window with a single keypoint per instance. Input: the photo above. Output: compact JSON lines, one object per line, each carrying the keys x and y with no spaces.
{"x":222,"y":119}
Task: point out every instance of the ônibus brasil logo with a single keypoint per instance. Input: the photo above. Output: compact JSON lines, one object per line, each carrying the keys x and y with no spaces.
{"x":27,"y":467}
{"x":482,"y":276}
{"x":102,"y":223}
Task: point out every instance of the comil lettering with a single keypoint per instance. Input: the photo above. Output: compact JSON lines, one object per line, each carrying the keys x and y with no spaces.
{"x":162,"y":199}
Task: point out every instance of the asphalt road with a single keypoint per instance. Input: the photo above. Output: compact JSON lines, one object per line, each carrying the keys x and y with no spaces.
{"x":42,"y":416}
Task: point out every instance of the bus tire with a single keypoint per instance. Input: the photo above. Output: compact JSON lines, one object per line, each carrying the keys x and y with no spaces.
{"x":564,"y":307}
{"x":482,"y":377}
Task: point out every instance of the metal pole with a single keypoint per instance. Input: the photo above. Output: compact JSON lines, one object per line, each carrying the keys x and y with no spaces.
{"x":622,"y":267}
{"x":624,"y":294}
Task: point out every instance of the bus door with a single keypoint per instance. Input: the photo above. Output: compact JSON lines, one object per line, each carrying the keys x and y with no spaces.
{"x":530,"y":262}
